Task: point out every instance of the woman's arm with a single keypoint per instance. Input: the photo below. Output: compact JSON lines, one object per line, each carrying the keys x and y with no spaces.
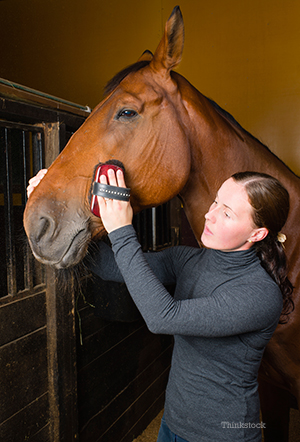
{"x":102,"y":262}
{"x":230,"y":310}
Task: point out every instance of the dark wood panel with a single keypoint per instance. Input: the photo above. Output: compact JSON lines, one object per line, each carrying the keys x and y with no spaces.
{"x":144,"y":392}
{"x":143,"y":421}
{"x":42,"y":436}
{"x":22,"y":317}
{"x":102,"y":340}
{"x":125,"y":428}
{"x":23,"y":372}
{"x":112,"y":300}
{"x":28,"y":424}
{"x":114,"y":370}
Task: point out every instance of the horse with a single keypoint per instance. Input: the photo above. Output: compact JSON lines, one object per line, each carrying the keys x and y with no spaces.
{"x":172,"y":141}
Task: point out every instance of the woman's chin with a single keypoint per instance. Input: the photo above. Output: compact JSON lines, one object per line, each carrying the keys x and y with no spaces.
{"x":205,"y":240}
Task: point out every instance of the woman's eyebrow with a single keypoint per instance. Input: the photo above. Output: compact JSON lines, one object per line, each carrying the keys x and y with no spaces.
{"x":225,"y":205}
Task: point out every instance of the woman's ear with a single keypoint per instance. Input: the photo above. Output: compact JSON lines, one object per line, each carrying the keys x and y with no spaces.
{"x":259,"y":234}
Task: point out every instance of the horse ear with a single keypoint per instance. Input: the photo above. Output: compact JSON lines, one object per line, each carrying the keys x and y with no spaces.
{"x":169,"y":51}
{"x":146,"y":56}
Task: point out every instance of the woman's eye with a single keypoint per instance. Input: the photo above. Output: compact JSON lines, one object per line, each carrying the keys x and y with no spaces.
{"x":126,"y":113}
{"x":227,"y":214}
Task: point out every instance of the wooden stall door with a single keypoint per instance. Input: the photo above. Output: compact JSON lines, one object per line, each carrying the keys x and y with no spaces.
{"x":38,"y":394}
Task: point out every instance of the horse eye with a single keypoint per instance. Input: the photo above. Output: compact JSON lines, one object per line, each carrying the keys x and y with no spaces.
{"x":126,"y":113}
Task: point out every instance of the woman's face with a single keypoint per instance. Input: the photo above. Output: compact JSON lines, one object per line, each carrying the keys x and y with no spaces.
{"x":228,"y":223}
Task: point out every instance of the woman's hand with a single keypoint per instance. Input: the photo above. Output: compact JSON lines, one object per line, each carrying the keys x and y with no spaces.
{"x":34,"y":181}
{"x":114,"y":213}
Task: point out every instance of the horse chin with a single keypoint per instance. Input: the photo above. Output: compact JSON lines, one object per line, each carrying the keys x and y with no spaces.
{"x":71,"y":255}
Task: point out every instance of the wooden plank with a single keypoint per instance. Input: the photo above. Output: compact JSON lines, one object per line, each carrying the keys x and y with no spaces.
{"x":62,"y":372}
{"x":142,"y":358}
{"x":97,"y":342}
{"x":42,"y":436}
{"x":23,"y":365}
{"x":146,"y":419}
{"x":61,"y":338}
{"x":17,"y":318}
{"x":104,"y":375}
{"x":29,"y":422}
{"x":112,"y":301}
{"x":30,"y":95}
{"x":130,"y":423}
{"x":33,"y":113}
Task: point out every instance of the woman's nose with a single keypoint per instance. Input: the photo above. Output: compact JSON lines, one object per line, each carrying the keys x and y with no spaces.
{"x":211,"y":215}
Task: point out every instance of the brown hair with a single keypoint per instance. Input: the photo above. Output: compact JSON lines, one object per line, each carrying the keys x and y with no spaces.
{"x":270,"y":201}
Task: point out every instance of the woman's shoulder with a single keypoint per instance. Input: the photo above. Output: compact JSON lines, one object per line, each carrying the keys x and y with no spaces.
{"x":263,"y":290}
{"x":187,"y":252}
{"x":181,"y":258}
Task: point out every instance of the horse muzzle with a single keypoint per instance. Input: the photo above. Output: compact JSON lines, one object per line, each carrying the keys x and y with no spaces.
{"x":58,"y":245}
{"x":58,"y":226}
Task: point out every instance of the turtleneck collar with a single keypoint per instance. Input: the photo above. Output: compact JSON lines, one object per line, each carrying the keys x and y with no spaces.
{"x":237,"y":259}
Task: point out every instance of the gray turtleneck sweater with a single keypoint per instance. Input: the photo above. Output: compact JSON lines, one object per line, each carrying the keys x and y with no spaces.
{"x":224,"y":311}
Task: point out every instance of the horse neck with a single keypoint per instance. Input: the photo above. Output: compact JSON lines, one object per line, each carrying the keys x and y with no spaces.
{"x":220,"y":148}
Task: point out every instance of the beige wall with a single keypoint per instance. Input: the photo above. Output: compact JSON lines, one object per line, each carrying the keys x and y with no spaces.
{"x":243,"y":54}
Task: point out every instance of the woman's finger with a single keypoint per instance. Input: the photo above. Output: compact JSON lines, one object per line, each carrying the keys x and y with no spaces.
{"x":103,"y":179}
{"x":34,"y":181}
{"x":120,"y":178}
{"x":112,"y":180}
{"x":101,"y":199}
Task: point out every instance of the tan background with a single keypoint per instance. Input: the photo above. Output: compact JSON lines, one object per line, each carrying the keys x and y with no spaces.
{"x":243,"y":54}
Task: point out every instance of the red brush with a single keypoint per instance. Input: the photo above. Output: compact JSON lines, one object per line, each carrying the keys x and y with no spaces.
{"x":105,"y":190}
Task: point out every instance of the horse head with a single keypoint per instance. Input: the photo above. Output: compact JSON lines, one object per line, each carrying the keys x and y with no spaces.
{"x":142,"y":124}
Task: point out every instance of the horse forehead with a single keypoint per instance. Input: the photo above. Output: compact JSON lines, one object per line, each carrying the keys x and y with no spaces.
{"x":143,"y":85}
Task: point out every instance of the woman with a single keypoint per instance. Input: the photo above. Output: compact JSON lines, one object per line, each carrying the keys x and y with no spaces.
{"x":228,"y":299}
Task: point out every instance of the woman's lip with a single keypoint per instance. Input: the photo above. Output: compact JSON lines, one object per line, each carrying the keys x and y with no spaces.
{"x":207,"y":231}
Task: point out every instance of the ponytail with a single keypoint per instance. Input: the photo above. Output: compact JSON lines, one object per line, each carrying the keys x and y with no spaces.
{"x":273,"y":259}
{"x":270,"y":203}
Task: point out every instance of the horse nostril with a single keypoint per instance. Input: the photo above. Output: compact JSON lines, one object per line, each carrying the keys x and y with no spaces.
{"x":44,"y":228}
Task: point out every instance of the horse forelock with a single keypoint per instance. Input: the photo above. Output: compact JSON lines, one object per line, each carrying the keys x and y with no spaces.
{"x":116,"y":80}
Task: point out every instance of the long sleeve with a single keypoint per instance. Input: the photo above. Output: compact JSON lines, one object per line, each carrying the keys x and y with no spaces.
{"x":102,"y":262}
{"x":231,"y":308}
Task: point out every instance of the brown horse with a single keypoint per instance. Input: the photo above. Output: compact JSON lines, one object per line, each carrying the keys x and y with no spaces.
{"x":172,"y":141}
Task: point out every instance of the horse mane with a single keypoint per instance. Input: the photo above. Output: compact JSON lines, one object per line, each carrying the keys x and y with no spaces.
{"x":116,"y":80}
{"x":233,"y":121}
